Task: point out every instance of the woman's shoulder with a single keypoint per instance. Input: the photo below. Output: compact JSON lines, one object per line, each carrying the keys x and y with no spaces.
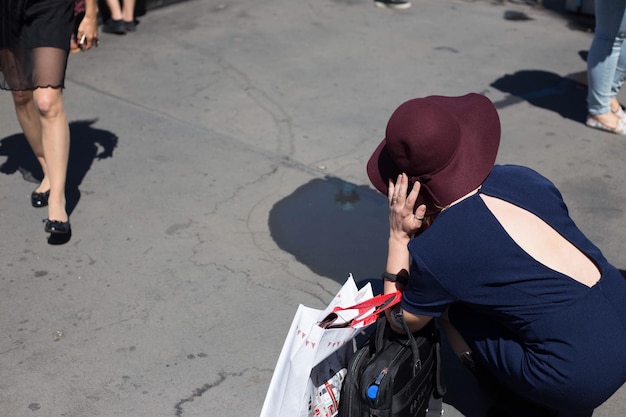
{"x":516,"y":177}
{"x":515,"y":171}
{"x":522,"y":186}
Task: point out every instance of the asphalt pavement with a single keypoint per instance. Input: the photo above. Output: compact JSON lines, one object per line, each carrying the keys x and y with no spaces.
{"x":217,"y":180}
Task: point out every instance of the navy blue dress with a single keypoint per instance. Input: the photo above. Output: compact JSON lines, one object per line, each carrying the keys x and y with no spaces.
{"x":543,"y":334}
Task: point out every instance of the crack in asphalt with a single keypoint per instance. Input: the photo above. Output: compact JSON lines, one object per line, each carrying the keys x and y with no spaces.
{"x":198,"y":392}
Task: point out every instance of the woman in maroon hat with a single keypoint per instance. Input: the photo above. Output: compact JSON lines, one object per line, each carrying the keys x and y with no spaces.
{"x":522,"y":295}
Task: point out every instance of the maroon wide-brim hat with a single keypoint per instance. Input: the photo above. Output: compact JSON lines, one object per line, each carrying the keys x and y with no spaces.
{"x":447,"y":144}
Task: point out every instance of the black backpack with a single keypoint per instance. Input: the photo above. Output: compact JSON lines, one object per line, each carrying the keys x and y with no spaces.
{"x":394,"y":375}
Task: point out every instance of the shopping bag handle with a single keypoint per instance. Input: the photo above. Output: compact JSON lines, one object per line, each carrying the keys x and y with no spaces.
{"x":379,"y":303}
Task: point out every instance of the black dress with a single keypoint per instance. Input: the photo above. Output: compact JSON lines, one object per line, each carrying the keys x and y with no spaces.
{"x":34,"y":43}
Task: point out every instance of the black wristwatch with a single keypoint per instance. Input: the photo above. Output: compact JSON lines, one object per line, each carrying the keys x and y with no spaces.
{"x":401,"y":278}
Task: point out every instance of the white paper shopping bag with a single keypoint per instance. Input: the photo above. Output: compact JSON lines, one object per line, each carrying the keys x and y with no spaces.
{"x":305,"y":346}
{"x":313,"y":336}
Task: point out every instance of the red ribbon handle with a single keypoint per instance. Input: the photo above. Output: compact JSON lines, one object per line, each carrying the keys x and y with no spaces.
{"x":379,"y":303}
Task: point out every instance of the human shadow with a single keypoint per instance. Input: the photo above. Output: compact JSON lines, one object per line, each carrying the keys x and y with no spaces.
{"x":333,"y":227}
{"x":86,"y":145}
{"x":563,"y":95}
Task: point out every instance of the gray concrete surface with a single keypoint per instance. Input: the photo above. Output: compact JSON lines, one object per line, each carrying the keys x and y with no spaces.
{"x":173,"y":296}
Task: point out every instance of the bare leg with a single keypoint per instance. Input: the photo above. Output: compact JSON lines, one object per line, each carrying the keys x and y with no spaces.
{"x":128,"y":11}
{"x":614,"y":103}
{"x":115,"y":9}
{"x":55,"y":138}
{"x":28,"y":116}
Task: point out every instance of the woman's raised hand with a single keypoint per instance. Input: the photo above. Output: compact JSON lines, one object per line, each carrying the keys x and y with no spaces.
{"x":404,"y":219}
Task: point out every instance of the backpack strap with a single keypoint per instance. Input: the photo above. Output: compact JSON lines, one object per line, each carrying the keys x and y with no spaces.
{"x":440,"y":384}
{"x":376,"y":343}
{"x":435,"y":403}
{"x":435,"y":407}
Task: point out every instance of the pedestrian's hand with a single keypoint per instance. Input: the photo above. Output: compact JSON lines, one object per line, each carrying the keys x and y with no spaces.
{"x":404,"y":219}
{"x":87,"y":35}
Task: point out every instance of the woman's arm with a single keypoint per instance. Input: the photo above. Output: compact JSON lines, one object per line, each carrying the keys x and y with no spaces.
{"x":454,"y":338}
{"x":403,"y":224}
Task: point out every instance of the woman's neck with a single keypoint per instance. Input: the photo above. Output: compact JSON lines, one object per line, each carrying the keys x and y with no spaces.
{"x":474,"y":191}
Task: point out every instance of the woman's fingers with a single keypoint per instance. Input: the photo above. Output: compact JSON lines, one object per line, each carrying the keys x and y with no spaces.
{"x":420,"y":212}
{"x":390,"y":193}
{"x":397,"y":190}
{"x":403,"y":216}
{"x":401,"y":186}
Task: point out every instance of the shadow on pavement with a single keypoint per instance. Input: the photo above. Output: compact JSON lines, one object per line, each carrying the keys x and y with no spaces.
{"x":84,"y":148}
{"x":88,"y":144}
{"x":334,"y":228}
{"x":547,"y":90}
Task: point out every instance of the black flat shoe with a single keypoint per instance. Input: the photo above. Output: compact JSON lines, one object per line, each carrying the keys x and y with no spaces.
{"x":39,"y":199}
{"x":114,"y":26}
{"x":131,"y":26}
{"x":56,"y":227}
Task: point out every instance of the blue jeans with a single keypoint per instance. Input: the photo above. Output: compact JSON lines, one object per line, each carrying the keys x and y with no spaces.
{"x":606,"y":62}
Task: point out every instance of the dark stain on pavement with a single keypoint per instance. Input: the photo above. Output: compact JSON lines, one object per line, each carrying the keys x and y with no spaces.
{"x":198,"y":392}
{"x":516,"y":15}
